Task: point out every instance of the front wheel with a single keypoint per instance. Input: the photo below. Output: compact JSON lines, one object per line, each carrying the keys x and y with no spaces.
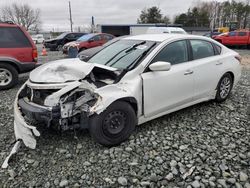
{"x":8,"y":76}
{"x":59,"y":48}
{"x":224,"y":87}
{"x":114,"y":125}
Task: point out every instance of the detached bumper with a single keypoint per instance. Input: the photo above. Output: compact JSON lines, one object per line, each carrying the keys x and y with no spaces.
{"x":23,"y":131}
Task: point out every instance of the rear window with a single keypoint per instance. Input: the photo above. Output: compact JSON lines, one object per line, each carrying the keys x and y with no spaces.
{"x":201,"y":49}
{"x":242,"y":34}
{"x":13,"y":37}
{"x":107,"y":37}
{"x":217,"y":49}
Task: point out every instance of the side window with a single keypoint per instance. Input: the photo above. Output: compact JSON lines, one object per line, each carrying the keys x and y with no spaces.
{"x":201,"y":49}
{"x":70,"y":36}
{"x":97,"y":38}
{"x":78,"y":35}
{"x":218,"y":49}
{"x":232,"y":34}
{"x":242,"y":34}
{"x":13,"y":37}
{"x":107,"y":37}
{"x":173,"y":53}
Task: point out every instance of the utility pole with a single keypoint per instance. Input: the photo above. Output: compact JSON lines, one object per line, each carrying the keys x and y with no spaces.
{"x":92,"y":24}
{"x":70,"y":18}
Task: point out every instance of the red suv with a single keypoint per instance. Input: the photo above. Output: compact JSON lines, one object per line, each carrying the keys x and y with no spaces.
{"x":89,"y":41}
{"x":18,"y":53}
{"x":234,"y":38}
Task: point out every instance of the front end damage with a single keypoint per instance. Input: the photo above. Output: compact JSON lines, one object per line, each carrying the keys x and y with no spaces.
{"x":64,"y":95}
{"x":64,"y":107}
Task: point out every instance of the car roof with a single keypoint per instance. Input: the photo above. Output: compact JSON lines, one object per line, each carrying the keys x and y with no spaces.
{"x":7,"y":25}
{"x":163,"y":37}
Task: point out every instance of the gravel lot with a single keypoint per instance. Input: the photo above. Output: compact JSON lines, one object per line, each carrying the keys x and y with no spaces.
{"x":206,"y":145}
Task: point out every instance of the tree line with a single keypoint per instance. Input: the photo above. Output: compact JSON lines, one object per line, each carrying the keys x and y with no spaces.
{"x":212,"y":14}
{"x":216,"y":14}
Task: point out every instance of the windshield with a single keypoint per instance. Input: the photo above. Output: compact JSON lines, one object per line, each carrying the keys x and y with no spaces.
{"x":85,"y":37}
{"x":61,"y":36}
{"x":123,"y":54}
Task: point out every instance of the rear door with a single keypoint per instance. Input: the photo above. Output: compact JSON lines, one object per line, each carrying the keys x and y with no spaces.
{"x":207,"y":66}
{"x":15,"y":44}
{"x":97,"y":41}
{"x":107,"y":38}
{"x":242,"y":38}
{"x":69,"y":38}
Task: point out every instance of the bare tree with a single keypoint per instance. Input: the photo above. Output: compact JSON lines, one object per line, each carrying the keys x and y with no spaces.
{"x":22,"y":14}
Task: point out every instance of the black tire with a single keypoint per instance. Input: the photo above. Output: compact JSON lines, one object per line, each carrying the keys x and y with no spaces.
{"x":104,"y":128}
{"x":9,"y":71}
{"x":224,"y":87}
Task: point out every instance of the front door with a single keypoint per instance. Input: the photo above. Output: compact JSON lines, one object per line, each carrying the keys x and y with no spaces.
{"x":165,"y":90}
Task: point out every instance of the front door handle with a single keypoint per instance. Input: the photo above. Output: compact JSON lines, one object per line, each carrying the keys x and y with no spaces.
{"x":188,"y":72}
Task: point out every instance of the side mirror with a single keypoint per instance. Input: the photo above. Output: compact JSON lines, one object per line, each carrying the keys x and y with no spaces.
{"x":160,"y":66}
{"x":91,"y":40}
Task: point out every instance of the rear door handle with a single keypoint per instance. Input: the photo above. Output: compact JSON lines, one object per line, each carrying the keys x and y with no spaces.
{"x":219,"y":63}
{"x":188,"y":72}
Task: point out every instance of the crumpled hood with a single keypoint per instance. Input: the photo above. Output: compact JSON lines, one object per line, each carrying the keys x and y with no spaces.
{"x":65,"y":70}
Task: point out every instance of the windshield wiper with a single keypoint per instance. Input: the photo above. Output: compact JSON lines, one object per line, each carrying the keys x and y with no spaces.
{"x":134,"y":46}
{"x":135,"y":62}
{"x":129,"y":49}
{"x":115,"y":56}
{"x":120,"y":58}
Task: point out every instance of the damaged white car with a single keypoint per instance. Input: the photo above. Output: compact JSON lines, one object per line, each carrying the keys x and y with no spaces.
{"x":130,"y":82}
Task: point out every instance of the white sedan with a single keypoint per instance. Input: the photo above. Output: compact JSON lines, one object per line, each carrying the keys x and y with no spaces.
{"x":38,"y":39}
{"x":130,"y":82}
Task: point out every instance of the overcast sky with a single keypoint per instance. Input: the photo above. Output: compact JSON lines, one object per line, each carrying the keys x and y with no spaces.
{"x":55,"y":13}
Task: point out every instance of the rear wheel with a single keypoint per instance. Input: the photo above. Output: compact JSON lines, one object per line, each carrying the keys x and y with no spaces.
{"x":224,"y":87}
{"x":114,"y":125}
{"x":8,"y":76}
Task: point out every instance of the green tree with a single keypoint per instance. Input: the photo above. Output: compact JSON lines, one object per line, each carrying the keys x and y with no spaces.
{"x":152,"y":15}
{"x":197,"y":17}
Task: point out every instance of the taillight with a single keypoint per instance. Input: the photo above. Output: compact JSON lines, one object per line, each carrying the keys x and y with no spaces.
{"x":238,"y":57}
{"x":34,"y":54}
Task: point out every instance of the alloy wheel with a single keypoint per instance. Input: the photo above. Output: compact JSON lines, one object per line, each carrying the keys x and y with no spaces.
{"x":5,"y":77}
{"x":225,"y":87}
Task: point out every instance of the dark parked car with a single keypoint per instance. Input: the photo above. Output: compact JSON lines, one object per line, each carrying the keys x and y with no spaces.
{"x":18,"y":53}
{"x":85,"y":55}
{"x":58,"y":42}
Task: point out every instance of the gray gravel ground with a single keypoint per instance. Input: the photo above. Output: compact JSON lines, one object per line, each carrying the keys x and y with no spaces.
{"x":206,"y":145}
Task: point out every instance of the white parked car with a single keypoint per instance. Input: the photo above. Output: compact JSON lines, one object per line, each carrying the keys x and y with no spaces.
{"x":169,"y":30}
{"x":130,"y":82}
{"x":38,"y":39}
